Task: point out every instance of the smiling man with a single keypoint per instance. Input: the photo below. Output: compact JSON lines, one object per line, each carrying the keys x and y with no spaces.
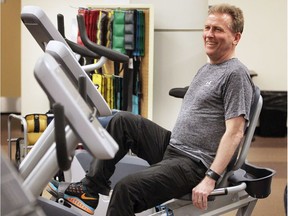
{"x":222,"y":33}
{"x":191,"y":157}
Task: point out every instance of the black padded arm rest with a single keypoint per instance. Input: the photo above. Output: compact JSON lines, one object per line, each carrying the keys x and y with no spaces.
{"x":178,"y":92}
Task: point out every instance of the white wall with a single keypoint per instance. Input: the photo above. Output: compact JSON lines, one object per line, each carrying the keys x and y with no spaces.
{"x":263,"y":47}
{"x":178,"y":52}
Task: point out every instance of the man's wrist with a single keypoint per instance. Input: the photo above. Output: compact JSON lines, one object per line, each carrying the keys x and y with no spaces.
{"x":213,"y":175}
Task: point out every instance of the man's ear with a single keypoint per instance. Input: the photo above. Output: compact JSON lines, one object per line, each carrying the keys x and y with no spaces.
{"x":237,"y":38}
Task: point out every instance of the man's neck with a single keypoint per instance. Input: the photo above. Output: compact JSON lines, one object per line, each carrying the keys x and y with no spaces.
{"x":222,"y":59}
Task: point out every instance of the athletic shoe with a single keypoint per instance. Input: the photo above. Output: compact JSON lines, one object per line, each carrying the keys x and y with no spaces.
{"x":77,"y":195}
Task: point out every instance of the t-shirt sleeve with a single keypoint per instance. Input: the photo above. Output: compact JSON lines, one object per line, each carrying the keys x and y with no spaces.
{"x":238,"y":95}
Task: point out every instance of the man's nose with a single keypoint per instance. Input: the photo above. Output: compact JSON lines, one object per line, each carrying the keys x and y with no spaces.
{"x":210,"y":33}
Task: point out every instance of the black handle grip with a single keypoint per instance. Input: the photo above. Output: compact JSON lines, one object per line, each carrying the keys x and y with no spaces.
{"x":178,"y":92}
{"x":63,"y":159}
{"x":60,"y":24}
{"x":81,"y":50}
{"x":101,"y":50}
{"x":77,"y":48}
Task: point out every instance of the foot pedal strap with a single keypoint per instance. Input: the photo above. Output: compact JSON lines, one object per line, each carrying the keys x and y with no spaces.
{"x":61,"y":189}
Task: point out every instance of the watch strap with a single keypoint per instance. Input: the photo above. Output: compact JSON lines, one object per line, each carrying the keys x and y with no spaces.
{"x":210,"y":173}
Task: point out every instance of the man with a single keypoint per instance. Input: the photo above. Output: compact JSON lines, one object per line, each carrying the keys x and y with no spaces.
{"x":192,"y":157}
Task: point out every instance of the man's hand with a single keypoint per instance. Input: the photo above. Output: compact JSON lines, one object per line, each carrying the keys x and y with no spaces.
{"x":201,"y":192}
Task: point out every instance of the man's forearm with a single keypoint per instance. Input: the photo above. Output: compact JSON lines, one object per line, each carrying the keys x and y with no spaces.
{"x":228,"y":144}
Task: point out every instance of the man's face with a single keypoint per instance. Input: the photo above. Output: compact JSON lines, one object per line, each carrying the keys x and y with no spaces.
{"x":219,"y":39}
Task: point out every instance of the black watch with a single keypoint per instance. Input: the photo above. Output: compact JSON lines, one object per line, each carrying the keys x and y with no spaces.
{"x":210,"y":173}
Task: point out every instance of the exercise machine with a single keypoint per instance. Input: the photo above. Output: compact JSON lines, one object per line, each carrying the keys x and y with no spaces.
{"x":44,"y":32}
{"x":81,"y":126}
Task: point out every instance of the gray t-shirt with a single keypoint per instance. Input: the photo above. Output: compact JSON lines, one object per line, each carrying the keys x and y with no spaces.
{"x":217,"y":93}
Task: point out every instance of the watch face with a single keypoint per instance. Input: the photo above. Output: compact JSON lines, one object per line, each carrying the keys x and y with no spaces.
{"x":210,"y":174}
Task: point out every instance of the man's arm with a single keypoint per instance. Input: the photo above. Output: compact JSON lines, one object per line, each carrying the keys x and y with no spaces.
{"x":227,"y":147}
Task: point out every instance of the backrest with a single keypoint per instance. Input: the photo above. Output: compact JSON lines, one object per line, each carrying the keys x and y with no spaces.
{"x":241,"y":155}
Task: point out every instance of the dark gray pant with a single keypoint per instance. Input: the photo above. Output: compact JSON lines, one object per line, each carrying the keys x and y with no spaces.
{"x":171,"y":174}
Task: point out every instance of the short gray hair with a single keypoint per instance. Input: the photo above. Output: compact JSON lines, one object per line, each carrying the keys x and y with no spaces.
{"x":236,"y":14}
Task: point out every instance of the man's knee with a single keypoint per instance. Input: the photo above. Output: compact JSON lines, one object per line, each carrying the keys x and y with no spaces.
{"x":124,"y":114}
{"x":122,"y":117}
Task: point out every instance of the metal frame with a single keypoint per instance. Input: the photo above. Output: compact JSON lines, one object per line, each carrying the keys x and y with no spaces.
{"x":10,"y":139}
{"x":79,"y":115}
{"x":82,"y":126}
{"x":66,"y":58}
